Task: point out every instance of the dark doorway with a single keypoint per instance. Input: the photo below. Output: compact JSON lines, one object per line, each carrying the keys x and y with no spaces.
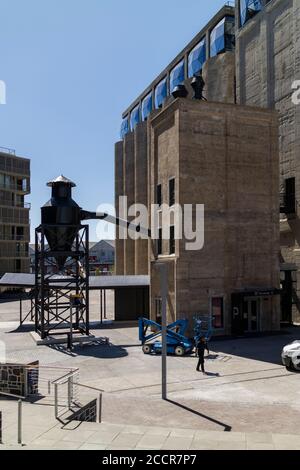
{"x":287,"y":285}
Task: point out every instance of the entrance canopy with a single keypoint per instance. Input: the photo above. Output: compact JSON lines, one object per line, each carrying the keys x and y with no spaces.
{"x":27,"y":281}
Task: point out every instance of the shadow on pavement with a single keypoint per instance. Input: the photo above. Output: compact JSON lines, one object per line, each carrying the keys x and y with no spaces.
{"x":226,"y":427}
{"x":264,"y":348}
{"x":99,"y":351}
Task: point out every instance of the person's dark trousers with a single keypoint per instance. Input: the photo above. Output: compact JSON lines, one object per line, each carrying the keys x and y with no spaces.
{"x":201,"y":363}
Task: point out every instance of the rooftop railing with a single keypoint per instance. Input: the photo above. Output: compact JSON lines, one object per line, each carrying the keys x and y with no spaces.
{"x":7,"y":150}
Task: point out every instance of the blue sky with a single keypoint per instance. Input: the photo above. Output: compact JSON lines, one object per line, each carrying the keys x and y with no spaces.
{"x":71,"y":67}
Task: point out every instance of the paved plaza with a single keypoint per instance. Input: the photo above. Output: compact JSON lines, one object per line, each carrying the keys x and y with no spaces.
{"x":247,"y":400}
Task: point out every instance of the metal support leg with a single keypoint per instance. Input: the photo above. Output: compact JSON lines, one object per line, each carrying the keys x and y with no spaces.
{"x":100,"y":408}
{"x":20,"y":422}
{"x":1,"y":441}
{"x":56,"y":400}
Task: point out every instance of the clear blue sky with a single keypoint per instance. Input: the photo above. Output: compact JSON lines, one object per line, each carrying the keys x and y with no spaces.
{"x":71,"y":67}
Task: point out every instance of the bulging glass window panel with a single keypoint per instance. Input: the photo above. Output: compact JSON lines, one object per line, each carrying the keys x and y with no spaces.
{"x":217,"y":39}
{"x":177,"y":76}
{"x":134,"y":117}
{"x":197,"y":57}
{"x":124,"y":127}
{"x":147,"y":106}
{"x":161,"y":93}
{"x":248,"y":9}
{"x":222,"y":37}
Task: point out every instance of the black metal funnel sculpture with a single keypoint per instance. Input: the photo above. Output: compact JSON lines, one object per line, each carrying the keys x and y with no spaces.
{"x":61,"y":219}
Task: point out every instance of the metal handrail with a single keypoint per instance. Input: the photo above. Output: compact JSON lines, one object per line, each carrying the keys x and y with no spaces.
{"x":11,"y":395}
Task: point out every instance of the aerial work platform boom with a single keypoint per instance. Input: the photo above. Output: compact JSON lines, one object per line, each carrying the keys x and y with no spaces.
{"x":177,"y":342}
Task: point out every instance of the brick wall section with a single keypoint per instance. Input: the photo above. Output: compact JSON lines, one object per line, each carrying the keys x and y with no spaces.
{"x":87,"y":413}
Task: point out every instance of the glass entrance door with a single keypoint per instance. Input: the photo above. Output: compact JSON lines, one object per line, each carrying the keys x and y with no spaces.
{"x":251,"y":315}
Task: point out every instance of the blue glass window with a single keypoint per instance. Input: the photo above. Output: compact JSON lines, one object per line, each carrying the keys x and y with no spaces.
{"x":161,"y":93}
{"x":249,"y":8}
{"x":134,"y":117}
{"x":222,"y":37}
{"x":147,"y":106}
{"x":177,"y":76}
{"x":124,"y":127}
{"x":197,"y":57}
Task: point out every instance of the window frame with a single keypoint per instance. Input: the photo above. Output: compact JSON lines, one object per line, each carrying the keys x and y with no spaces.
{"x":159,"y":192}
{"x":159,"y":247}
{"x":172,"y":241}
{"x":172,"y":194}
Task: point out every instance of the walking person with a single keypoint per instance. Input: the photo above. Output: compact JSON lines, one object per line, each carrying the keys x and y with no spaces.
{"x":200,"y":349}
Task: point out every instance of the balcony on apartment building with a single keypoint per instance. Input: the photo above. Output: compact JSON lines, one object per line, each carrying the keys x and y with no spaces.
{"x":14,"y":172}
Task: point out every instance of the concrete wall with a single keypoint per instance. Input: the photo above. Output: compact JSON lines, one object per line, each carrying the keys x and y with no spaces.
{"x":210,"y":149}
{"x":119,"y":191}
{"x":219,"y":77}
{"x":129,"y":191}
{"x":267,"y":63}
{"x":141,"y":193}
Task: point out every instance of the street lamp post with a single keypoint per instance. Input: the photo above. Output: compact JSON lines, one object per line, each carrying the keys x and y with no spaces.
{"x":164,"y":292}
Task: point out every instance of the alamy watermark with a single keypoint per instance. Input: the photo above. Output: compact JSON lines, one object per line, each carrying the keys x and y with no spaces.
{"x":160,"y":222}
{"x":296,"y":93}
{"x":2,"y":92}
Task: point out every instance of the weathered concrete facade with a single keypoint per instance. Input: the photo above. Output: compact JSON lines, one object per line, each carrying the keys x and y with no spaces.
{"x":242,"y":253}
{"x":210,"y":151}
{"x":267,"y":64}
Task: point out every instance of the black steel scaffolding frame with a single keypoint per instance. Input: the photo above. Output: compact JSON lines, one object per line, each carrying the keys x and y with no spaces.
{"x":55,"y":309}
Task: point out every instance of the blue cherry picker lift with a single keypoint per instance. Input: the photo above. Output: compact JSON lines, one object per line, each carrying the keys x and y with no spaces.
{"x":177,"y":342}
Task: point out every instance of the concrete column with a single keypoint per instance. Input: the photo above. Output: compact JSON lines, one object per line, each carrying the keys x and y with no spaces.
{"x":141,"y":193}
{"x":119,"y":191}
{"x":207,"y":39}
{"x":129,"y":191}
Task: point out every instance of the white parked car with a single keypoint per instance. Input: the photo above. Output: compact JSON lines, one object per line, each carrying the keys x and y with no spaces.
{"x":291,"y":355}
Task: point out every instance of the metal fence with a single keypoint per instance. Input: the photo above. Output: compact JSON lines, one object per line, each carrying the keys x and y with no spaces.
{"x":60,"y":389}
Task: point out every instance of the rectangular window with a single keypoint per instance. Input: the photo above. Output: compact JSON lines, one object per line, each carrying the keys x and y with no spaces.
{"x":158,"y":195}
{"x":217,"y":304}
{"x":159,"y":242}
{"x":172,"y":240}
{"x":172,"y":192}
{"x":18,"y":265}
{"x":290,"y":201}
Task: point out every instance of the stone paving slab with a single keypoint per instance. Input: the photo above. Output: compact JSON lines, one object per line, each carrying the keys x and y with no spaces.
{"x":92,"y":436}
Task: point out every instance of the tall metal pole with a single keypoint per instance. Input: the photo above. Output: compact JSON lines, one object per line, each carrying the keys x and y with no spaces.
{"x":19,"y":421}
{"x":164,"y":293}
